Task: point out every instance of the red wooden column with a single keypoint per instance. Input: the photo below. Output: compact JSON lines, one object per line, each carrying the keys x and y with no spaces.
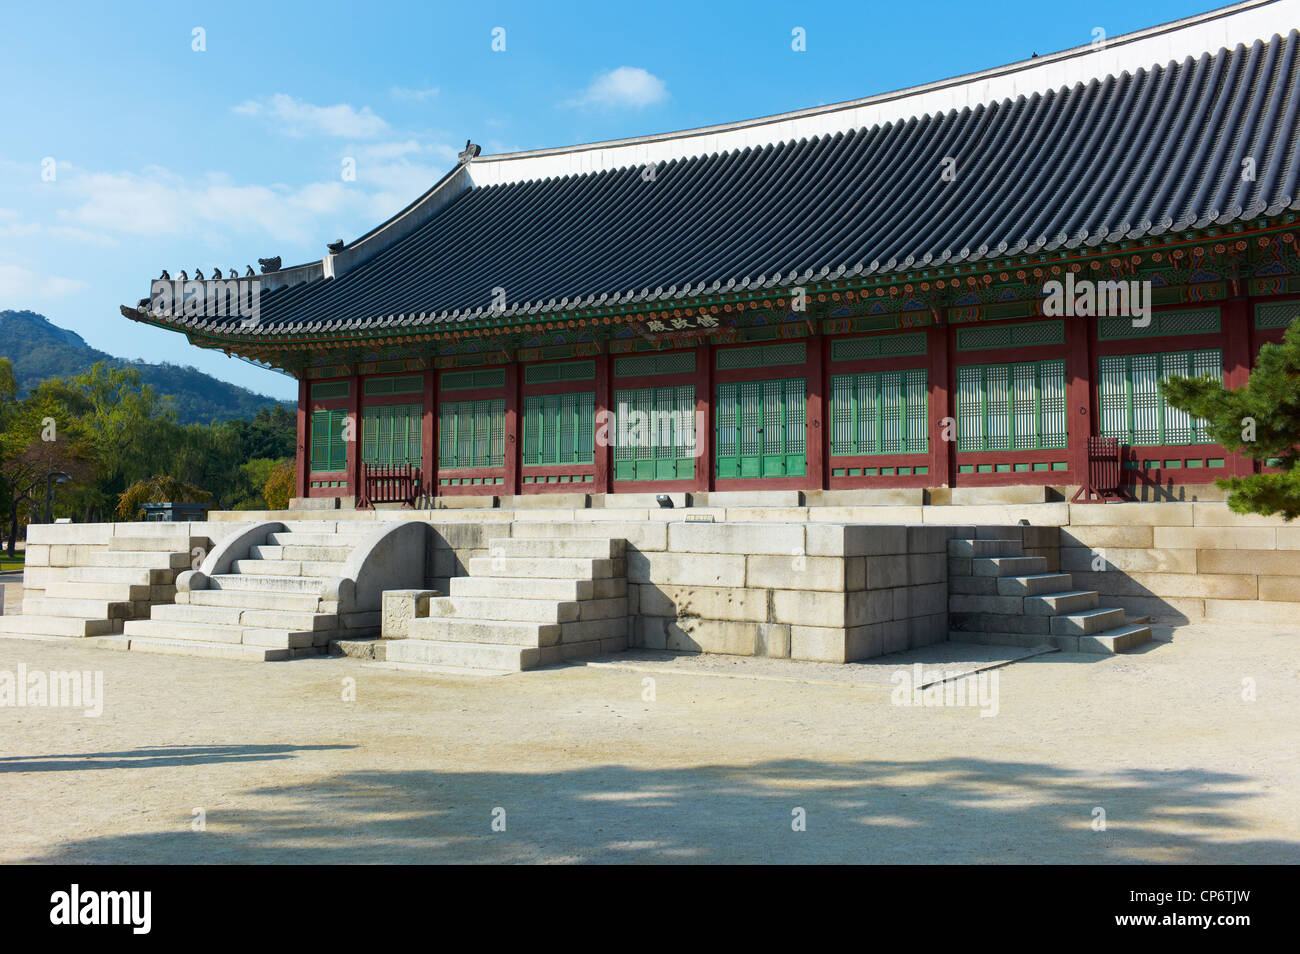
{"x":1079,"y":364}
{"x":354,"y":445}
{"x":304,"y":437}
{"x":704,"y":468}
{"x":1238,"y":356}
{"x":941,"y":404}
{"x":814,"y":438}
{"x":602,"y":451}
{"x":514,"y":430}
{"x":429,"y":433}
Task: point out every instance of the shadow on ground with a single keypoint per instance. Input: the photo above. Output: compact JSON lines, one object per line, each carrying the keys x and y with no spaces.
{"x":965,"y":810}
{"x":155,"y":757}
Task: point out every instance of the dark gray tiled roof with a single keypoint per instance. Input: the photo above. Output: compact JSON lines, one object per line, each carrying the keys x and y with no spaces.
{"x":1117,"y":158}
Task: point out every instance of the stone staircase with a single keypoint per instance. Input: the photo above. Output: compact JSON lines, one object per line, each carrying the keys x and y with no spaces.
{"x":270,"y":607}
{"x":530,"y":603}
{"x":117,"y":583}
{"x":998,"y":595}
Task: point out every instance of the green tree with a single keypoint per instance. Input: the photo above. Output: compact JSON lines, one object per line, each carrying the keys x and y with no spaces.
{"x":8,"y":403}
{"x":43,"y":434}
{"x":281,"y":484}
{"x":1260,"y":420}
{"x":158,"y":489}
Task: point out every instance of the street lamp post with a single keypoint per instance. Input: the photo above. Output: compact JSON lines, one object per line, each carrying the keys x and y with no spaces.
{"x":49,"y":490}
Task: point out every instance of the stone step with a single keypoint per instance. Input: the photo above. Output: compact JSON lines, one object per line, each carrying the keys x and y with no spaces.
{"x":338,"y":554}
{"x":197,"y":647}
{"x":254,"y":599}
{"x":593,"y":631}
{"x":1034,"y":584}
{"x":241,"y":616}
{"x":150,"y":559}
{"x":515,"y":609}
{"x":436,"y":670}
{"x":1118,"y":640}
{"x":58,"y":626}
{"x":267,"y":584}
{"x":513,"y":633}
{"x":85,"y":609}
{"x":369,"y":648}
{"x":300,"y":539}
{"x":1088,"y":622}
{"x":121,"y":574}
{"x":582,"y":547}
{"x":287,"y":568}
{"x":218,"y":633}
{"x":613,"y":608}
{"x":124,"y":592}
{"x":988,"y":622}
{"x":983,"y":548}
{"x":1008,"y":566}
{"x":154,"y":544}
{"x":547,"y":568}
{"x":502,"y":587}
{"x":1059,"y":604}
{"x":197,"y":613}
{"x":306,"y":622}
{"x":463,"y":655}
{"x":508,"y":586}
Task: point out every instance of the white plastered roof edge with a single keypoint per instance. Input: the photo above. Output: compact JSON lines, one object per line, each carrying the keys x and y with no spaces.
{"x":1242,"y":23}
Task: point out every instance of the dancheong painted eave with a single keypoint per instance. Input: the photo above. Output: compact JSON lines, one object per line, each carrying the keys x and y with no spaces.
{"x":1152,"y":149}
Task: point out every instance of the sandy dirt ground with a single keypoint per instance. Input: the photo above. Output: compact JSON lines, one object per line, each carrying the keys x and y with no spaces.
{"x":714,"y":760}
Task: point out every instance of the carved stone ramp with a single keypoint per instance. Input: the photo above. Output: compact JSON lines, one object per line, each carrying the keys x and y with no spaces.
{"x":273,"y":591}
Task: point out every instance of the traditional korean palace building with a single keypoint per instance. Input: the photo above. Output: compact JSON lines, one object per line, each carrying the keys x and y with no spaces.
{"x":944,"y":286}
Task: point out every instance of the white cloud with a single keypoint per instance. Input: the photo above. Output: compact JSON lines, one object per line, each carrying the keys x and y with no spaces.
{"x":12,"y":226}
{"x":294,"y":117}
{"x":156,"y":201}
{"x":74,"y":234}
{"x":413,"y":95}
{"x":140,"y":205}
{"x":626,"y":86}
{"x":18,"y":284}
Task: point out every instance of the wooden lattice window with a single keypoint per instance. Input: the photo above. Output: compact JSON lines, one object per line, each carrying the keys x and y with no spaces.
{"x":390,"y":435}
{"x":1011,"y":406}
{"x":652,"y":431}
{"x":472,"y":434}
{"x":329,"y":451}
{"x":559,"y":429}
{"x":884,"y":412}
{"x":762,"y":428}
{"x":1133,"y":408}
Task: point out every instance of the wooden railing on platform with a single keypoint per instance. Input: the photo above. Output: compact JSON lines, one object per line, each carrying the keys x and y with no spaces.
{"x":389,"y":485}
{"x":1103,"y":477}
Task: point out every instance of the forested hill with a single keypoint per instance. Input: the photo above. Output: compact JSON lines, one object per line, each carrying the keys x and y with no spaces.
{"x":40,"y":349}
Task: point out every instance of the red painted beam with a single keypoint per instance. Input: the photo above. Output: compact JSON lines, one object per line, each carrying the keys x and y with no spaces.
{"x":513,"y":428}
{"x":704,"y":466}
{"x":1237,"y":359}
{"x":303,"y":438}
{"x":938,"y":340}
{"x":815,"y":431}
{"x":354,"y":445}
{"x":429,"y":433}
{"x":602,"y":452}
{"x":1080,"y":340}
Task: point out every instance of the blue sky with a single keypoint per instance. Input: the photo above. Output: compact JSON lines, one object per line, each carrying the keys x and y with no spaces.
{"x":168,"y":157}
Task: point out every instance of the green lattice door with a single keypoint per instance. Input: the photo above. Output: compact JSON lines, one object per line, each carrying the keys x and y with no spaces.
{"x":761,"y":428}
{"x":391,"y":435}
